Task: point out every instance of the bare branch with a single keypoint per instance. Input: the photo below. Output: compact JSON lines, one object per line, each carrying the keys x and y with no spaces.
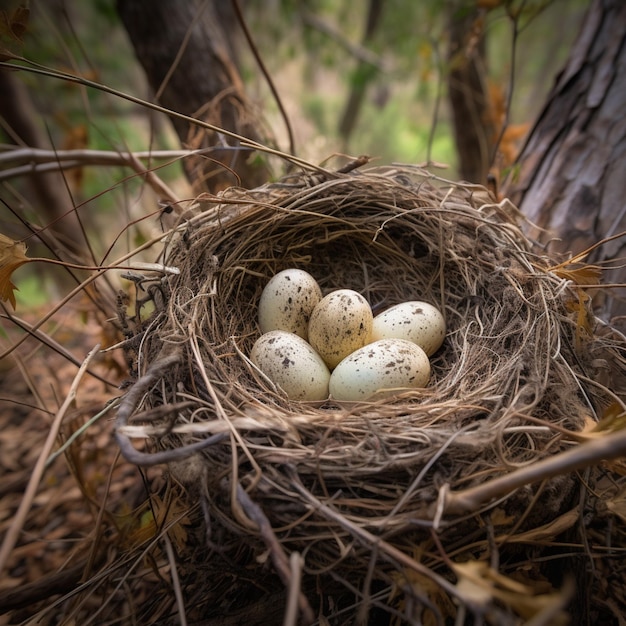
{"x":607,"y":448}
{"x":357,"y":51}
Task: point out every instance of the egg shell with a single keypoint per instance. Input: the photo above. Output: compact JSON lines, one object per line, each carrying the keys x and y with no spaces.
{"x":291,"y":364}
{"x":287,"y":302}
{"x":381,"y":369}
{"x":340,"y":324}
{"x":419,"y":322}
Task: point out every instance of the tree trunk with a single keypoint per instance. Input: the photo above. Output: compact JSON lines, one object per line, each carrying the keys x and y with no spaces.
{"x":570,"y":179}
{"x":62,"y":233}
{"x":362,"y":78}
{"x":186,"y":49}
{"x":474,"y":128}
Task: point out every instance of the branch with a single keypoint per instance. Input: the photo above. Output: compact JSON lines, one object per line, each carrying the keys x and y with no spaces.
{"x":244,"y":141}
{"x":357,"y":51}
{"x":129,"y":403}
{"x":610,"y":446}
{"x":284,"y":566}
{"x":88,"y":157}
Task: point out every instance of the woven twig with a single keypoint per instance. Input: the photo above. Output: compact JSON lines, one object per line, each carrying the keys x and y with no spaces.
{"x":513,"y":383}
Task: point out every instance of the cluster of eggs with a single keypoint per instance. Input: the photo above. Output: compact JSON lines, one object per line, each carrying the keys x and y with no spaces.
{"x":313,"y":347}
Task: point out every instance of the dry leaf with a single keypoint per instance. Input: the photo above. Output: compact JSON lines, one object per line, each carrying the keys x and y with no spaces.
{"x":577,"y":273}
{"x":473,"y":585}
{"x":12,"y":255}
{"x":613,"y":419}
{"x":583,"y":317}
{"x":584,"y":275}
{"x":171,"y":516}
{"x":499,"y":517}
{"x":425,"y":587}
{"x":479,"y":585}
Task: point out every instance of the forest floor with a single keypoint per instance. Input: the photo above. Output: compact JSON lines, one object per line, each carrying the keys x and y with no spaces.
{"x":84,"y":494}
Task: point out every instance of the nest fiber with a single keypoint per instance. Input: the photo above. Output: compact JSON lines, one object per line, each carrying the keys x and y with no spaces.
{"x":353,"y":497}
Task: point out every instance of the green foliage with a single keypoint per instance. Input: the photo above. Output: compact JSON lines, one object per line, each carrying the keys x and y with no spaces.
{"x":31,"y":295}
{"x":315,"y":69}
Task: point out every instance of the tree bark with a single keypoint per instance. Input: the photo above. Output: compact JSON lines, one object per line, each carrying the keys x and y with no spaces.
{"x":473,"y":124}
{"x":186,"y":49}
{"x":570,"y":177}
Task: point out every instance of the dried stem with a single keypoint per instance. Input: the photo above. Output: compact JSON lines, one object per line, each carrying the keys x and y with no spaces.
{"x":279,"y":558}
{"x":606,"y":448}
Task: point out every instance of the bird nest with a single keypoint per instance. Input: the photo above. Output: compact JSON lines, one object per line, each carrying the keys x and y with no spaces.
{"x":392,"y":509}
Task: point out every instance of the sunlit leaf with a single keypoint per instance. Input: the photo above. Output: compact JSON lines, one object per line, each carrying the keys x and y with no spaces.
{"x":613,"y":418}
{"x":12,"y":255}
{"x":479,"y":584}
{"x":578,"y":274}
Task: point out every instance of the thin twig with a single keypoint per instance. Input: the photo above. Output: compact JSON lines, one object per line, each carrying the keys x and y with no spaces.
{"x":128,"y":404}
{"x":387,"y":551}
{"x":42,"y":588}
{"x":80,"y":289}
{"x":249,"y":143}
{"x":296,"y":563}
{"x":510,"y":88}
{"x":279,"y":558}
{"x":438,"y":97}
{"x":30,"y":156}
{"x":52,"y":344}
{"x":77,"y":433}
{"x":266,"y":74}
{"x":358,"y":51}
{"x":178,"y":592}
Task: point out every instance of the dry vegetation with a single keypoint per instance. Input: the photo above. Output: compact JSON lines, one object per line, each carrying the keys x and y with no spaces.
{"x":151,"y":474}
{"x":494,"y":495}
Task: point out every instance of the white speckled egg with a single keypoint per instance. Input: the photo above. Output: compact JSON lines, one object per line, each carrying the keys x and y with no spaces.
{"x":380,"y":369}
{"x":340,"y":324}
{"x":415,"y":321}
{"x":291,"y":364}
{"x":287,"y":301}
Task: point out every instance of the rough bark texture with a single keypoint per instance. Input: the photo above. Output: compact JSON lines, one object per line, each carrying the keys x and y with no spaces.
{"x":570,"y":180}
{"x":186,"y":49}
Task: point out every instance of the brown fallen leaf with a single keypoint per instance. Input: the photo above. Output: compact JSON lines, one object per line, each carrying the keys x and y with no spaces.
{"x":12,"y":255}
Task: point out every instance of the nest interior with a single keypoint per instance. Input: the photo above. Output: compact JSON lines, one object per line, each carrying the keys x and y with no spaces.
{"x":355,"y":489}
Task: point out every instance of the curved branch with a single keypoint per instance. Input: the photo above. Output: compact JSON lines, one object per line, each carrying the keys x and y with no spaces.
{"x":128,"y":405}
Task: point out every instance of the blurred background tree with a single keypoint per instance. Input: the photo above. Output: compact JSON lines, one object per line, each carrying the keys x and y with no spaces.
{"x":458,"y":83}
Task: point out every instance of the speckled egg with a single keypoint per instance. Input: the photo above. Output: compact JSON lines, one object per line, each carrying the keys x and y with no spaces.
{"x":340,"y":324}
{"x":415,"y":321}
{"x":287,"y":302}
{"x":291,"y":364}
{"x":380,"y":369}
